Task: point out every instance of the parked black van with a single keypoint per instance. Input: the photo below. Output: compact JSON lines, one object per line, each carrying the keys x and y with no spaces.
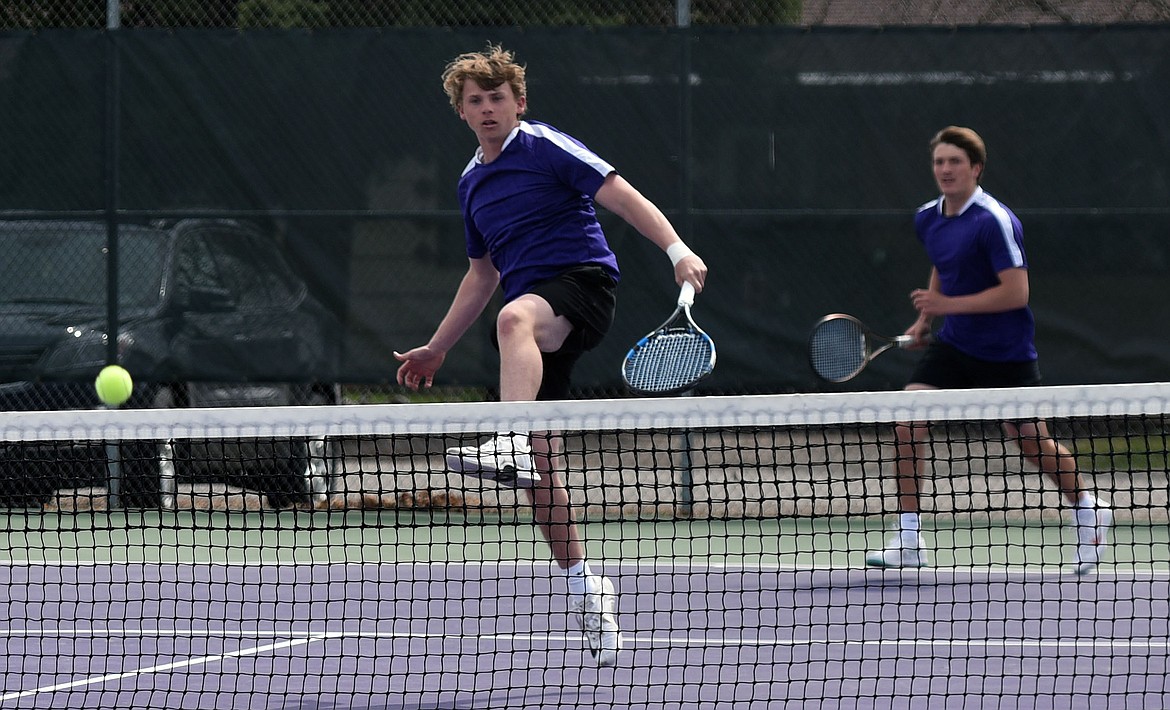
{"x":210,"y":314}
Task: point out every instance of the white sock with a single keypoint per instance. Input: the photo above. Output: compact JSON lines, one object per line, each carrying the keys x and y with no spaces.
{"x":910,"y":529}
{"x":1085,"y":512}
{"x":579,"y":576}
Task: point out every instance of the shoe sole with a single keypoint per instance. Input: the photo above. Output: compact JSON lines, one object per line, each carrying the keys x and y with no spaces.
{"x":608,"y":659}
{"x":507,"y":476}
{"x":882,"y":564}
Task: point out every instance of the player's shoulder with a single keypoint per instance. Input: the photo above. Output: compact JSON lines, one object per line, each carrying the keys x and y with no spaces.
{"x":553,"y":145}
{"x":985,"y":201}
{"x":928,"y":213}
{"x":993,"y":218}
{"x":928,"y":205}
{"x":536,"y":133}
{"x":469,"y":167}
{"x":991,"y":208}
{"x":540,"y":129}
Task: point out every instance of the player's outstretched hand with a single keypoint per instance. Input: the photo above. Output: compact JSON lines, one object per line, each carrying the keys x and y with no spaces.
{"x":419,"y":366}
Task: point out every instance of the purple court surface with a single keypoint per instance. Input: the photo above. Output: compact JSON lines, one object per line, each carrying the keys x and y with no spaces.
{"x":496,"y":635}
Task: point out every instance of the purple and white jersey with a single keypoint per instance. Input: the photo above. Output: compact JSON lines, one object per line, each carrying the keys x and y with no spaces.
{"x":531,"y":209}
{"x":969,"y":250}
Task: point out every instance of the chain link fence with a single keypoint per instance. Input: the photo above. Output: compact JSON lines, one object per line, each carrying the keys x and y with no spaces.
{"x":275,"y":240}
{"x":42,"y":14}
{"x":218,"y":138}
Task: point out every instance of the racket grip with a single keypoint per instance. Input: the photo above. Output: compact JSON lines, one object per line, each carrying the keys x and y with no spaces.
{"x":686,"y":296}
{"x":905,"y":341}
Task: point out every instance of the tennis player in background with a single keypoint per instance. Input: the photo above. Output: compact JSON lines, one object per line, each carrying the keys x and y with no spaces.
{"x":528,"y":198}
{"x":979,"y":286}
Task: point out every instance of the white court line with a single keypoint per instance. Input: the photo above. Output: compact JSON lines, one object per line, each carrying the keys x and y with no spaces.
{"x":636,"y":639}
{"x":632,"y":639}
{"x":201,"y":661}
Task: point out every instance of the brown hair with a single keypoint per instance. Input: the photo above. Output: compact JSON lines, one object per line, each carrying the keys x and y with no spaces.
{"x":965,"y":140}
{"x":488,"y":69}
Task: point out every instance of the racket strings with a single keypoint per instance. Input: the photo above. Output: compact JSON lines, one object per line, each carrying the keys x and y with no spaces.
{"x":837,"y":349}
{"x":670,"y":361}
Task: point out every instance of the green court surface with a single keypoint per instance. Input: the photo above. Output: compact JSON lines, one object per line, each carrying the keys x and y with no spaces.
{"x":356,"y":537}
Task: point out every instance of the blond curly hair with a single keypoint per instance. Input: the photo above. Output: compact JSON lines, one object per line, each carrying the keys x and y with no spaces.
{"x":488,"y":69}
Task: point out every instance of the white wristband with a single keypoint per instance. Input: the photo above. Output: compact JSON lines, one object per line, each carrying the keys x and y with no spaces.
{"x":677,"y":252}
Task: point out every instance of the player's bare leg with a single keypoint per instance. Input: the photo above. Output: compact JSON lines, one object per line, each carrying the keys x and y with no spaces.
{"x":905,"y":547}
{"x":593,"y":603}
{"x":526,"y":328}
{"x":1091,"y":520}
{"x":551,"y":505}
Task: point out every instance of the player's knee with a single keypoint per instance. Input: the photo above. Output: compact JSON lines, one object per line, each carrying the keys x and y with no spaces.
{"x":1026,"y":436}
{"x":512,"y":322}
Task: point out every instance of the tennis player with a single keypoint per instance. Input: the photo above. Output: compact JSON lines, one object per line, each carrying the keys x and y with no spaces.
{"x":979,"y":286}
{"x":528,"y":198}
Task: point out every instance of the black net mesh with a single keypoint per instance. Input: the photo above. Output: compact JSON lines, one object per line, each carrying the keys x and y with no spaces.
{"x":329,"y":557}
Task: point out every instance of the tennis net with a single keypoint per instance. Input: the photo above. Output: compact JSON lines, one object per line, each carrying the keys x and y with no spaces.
{"x":324,"y":557}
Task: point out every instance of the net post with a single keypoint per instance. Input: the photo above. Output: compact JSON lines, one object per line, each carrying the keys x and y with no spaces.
{"x":114,"y":474}
{"x":318,"y":470}
{"x":686,"y":484}
{"x":166,"y":474}
{"x":685,"y":487}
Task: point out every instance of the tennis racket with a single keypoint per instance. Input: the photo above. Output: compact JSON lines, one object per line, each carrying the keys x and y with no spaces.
{"x":841,"y":346}
{"x":672,"y":358}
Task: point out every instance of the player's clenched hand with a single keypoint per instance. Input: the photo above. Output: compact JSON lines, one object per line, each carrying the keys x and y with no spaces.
{"x":929,"y":303}
{"x":419,"y":366}
{"x":920,"y":332}
{"x":692,"y":269}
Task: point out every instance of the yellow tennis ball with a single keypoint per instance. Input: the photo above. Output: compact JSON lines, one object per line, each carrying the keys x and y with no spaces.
{"x":113,"y":385}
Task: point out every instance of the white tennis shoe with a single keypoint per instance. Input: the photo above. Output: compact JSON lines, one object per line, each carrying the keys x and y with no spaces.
{"x":901,"y":551}
{"x":505,"y":459}
{"x":596,"y":614}
{"x":1092,"y":540}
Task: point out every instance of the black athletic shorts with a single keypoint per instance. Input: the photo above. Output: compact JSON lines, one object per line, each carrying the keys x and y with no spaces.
{"x":586,"y":296}
{"x":946,"y":367}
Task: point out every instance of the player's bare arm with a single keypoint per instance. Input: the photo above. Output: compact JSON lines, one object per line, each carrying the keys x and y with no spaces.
{"x":1011,"y":293}
{"x":617,"y":195}
{"x":420,"y":364}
